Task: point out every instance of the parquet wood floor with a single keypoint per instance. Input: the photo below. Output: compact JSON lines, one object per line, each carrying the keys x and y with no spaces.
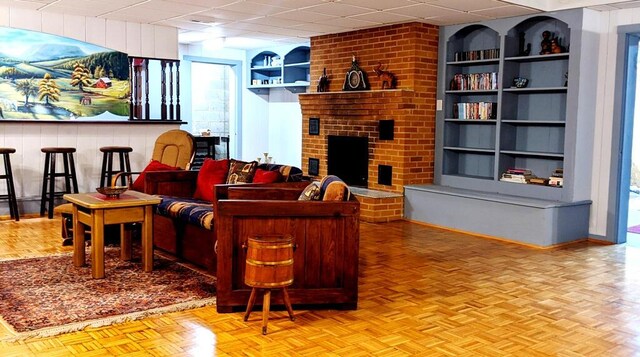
{"x":423,"y":291}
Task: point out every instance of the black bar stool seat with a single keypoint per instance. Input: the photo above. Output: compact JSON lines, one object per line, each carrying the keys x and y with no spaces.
{"x":8,"y":177}
{"x":107,"y":163}
{"x":50,"y":174}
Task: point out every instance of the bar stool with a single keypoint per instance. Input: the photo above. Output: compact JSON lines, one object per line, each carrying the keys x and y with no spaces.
{"x":50,"y":174}
{"x":8,"y":177}
{"x":107,"y":163}
{"x":269,"y":265}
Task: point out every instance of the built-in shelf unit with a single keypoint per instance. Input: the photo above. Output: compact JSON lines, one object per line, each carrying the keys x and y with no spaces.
{"x":280,"y":69}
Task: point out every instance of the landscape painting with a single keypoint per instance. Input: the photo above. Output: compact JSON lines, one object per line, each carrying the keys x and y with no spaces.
{"x":44,"y":76}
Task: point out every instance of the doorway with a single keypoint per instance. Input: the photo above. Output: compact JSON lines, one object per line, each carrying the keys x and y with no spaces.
{"x":628,"y":192}
{"x":215,"y":93}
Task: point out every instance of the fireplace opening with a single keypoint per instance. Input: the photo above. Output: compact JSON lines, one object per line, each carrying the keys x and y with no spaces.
{"x":348,"y":158}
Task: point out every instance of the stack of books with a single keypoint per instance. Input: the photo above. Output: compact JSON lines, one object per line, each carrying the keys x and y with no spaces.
{"x":556,"y":178}
{"x":517,"y":175}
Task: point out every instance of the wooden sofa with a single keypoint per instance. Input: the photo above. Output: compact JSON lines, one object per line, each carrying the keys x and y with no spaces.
{"x":326,"y":235}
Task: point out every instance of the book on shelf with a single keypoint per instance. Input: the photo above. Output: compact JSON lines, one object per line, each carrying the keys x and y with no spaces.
{"x":475,"y":110}
{"x":474,"y":81}
{"x":491,"y":53}
{"x":517,"y":175}
{"x":539,"y":181}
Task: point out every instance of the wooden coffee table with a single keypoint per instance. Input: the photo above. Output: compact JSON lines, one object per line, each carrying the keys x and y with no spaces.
{"x":96,"y":210}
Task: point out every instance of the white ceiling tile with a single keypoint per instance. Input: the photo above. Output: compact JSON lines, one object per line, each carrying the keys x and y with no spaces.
{"x":250,"y":7}
{"x":303,"y":15}
{"x":461,"y":18}
{"x":227,"y":15}
{"x":320,"y":27}
{"x":466,"y":5}
{"x":506,"y":11}
{"x":378,"y":4}
{"x":185,"y":25}
{"x":350,"y":23}
{"x":290,"y":4}
{"x":205,"y":3}
{"x":627,"y":5}
{"x":424,"y":11}
{"x":602,"y":8}
{"x":338,"y":9}
{"x":384,"y":17}
{"x":274,"y":21}
{"x":168,"y":6}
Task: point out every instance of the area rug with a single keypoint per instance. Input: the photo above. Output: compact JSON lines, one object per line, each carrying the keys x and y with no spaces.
{"x":634,"y":229}
{"x":48,"y":296}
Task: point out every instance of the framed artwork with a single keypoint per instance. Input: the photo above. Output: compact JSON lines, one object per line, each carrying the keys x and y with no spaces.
{"x":314,"y":126}
{"x":314,"y":167}
{"x":43,"y":76}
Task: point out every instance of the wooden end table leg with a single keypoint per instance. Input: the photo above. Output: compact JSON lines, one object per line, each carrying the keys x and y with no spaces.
{"x":79,"y":258}
{"x":266,"y":304}
{"x":125,"y":243}
{"x":147,"y":239}
{"x":97,"y":244}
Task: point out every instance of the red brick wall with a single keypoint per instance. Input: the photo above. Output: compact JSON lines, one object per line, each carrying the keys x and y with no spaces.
{"x":410,"y":51}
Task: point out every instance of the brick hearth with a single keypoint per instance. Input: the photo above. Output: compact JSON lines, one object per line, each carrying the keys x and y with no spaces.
{"x":410,"y":51}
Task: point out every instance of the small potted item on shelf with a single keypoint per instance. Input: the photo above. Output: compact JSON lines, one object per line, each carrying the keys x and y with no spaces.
{"x":520,"y":82}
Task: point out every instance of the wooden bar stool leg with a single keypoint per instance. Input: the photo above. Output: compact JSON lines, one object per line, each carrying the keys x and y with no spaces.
{"x":287,"y":303}
{"x":252,"y":300}
{"x":45,"y":175}
{"x":103,"y":171}
{"x":67,"y":174}
{"x":52,"y":185}
{"x":266,"y":305}
{"x":123,"y":178}
{"x":72,"y":172}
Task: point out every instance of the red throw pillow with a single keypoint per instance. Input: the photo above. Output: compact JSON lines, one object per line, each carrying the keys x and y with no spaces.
{"x":211,"y":173}
{"x":154,"y":165}
{"x":266,"y":176}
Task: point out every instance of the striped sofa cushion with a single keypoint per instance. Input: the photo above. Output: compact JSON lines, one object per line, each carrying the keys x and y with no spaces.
{"x":188,"y":210}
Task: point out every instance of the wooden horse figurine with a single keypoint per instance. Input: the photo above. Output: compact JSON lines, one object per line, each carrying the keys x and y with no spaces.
{"x":388,"y":79}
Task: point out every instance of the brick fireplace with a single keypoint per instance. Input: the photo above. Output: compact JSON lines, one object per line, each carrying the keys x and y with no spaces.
{"x":410,"y":51}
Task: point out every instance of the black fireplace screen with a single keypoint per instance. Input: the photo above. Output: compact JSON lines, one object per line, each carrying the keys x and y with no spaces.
{"x":348,"y":158}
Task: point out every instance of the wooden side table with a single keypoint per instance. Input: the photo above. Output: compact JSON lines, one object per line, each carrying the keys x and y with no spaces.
{"x":269,"y":265}
{"x":96,"y":210}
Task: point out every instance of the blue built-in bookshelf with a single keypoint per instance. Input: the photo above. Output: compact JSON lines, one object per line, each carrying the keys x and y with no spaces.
{"x":489,"y":122}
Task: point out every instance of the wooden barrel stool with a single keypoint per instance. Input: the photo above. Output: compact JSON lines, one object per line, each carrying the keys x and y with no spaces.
{"x":8,"y":177}
{"x":269,"y":265}
{"x":107,"y":163}
{"x":50,"y":174}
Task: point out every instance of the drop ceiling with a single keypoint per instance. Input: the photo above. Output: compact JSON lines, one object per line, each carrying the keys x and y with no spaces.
{"x":233,"y":22}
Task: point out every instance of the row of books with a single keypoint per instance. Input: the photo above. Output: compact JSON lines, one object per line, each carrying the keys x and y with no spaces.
{"x":474,"y":81}
{"x":475,"y":110}
{"x":491,"y":53}
{"x":527,"y":177}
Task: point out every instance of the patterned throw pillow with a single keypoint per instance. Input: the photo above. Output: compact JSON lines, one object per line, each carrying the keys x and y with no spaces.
{"x":332,"y":188}
{"x":241,"y":171}
{"x":310,"y":193}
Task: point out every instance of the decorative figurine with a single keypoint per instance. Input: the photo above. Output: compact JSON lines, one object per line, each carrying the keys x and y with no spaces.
{"x":355,"y":79}
{"x":545,"y":44}
{"x":522,"y":51}
{"x":388,"y":79}
{"x":323,"y":82}
{"x":555,"y":46}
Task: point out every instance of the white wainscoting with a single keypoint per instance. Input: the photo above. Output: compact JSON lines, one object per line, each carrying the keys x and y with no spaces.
{"x":28,"y":161}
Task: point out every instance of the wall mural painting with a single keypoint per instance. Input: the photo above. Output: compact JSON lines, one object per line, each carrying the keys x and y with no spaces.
{"x":44,"y":76}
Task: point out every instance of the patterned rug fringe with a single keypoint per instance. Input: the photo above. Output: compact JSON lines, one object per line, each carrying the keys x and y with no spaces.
{"x":77,"y":326}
